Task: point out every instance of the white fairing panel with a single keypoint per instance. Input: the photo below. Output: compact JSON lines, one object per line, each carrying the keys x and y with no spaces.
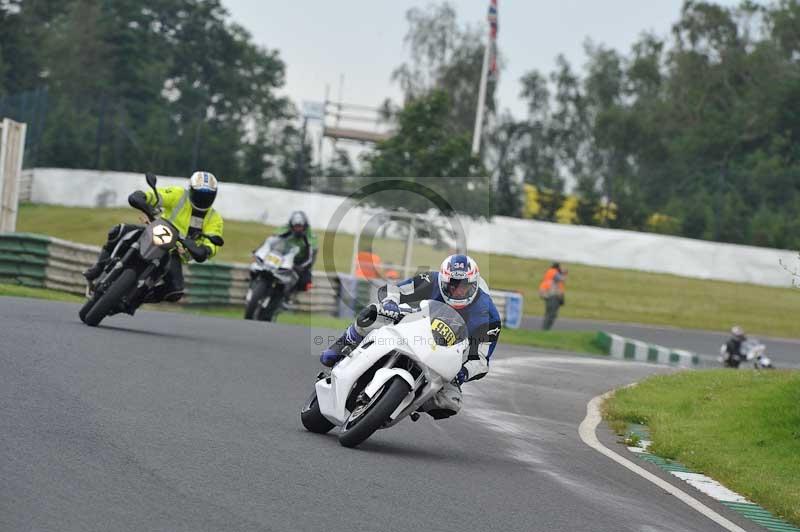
{"x":272,"y":255}
{"x":411,"y":337}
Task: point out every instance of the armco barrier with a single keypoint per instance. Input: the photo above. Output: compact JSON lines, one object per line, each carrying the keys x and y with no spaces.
{"x":45,"y":262}
{"x":66,"y":260}
{"x":23,"y":259}
{"x":322,"y":298}
{"x":208,"y":284}
{"x":628,"y":349}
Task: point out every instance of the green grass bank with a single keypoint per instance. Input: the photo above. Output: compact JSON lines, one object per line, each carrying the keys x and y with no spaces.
{"x":741,"y":428}
{"x":575,"y":341}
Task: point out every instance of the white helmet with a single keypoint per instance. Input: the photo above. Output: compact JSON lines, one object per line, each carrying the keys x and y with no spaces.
{"x":458,"y":280}
{"x":298,"y":222}
{"x":737,"y":331}
{"x":202,"y":190}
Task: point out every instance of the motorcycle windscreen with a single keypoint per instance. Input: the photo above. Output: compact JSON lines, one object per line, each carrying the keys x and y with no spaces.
{"x":448,"y":340}
{"x":447,"y":325}
{"x":276,"y":253}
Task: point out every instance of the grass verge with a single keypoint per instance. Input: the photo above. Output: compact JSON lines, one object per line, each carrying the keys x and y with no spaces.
{"x":575,"y":341}
{"x":592,"y":292}
{"x":742,"y":428}
{"x":288,"y":318}
{"x":37,"y":293}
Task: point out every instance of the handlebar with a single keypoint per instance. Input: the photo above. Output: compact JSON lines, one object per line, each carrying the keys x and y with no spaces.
{"x":152,"y":214}
{"x":395,"y":317}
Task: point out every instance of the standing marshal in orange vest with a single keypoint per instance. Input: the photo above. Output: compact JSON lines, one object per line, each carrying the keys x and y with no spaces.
{"x":551,"y":289}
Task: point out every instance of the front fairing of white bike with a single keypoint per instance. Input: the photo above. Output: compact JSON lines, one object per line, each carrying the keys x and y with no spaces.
{"x":411,"y":337}
{"x":267,"y":259}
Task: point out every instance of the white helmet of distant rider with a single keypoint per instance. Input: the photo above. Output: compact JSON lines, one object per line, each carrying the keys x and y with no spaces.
{"x":298,"y":223}
{"x":202,"y":190}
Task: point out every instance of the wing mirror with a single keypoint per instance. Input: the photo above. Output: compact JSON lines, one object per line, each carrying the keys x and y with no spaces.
{"x":151,"y":180}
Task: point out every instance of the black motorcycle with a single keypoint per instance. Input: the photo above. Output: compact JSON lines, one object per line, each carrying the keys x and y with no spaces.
{"x":138,"y":263}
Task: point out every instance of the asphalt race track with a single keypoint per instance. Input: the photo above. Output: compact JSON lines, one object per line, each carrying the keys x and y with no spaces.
{"x":784,"y":352}
{"x":172,"y":422}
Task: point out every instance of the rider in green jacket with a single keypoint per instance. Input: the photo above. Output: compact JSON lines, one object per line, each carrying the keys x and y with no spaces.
{"x":298,"y":233}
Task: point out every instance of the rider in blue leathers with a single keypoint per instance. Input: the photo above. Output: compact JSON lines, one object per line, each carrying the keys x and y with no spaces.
{"x":458,"y":284}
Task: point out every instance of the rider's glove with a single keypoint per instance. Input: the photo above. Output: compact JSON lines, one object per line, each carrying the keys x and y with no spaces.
{"x":198,"y":252}
{"x":462,"y":376}
{"x":138,"y":200}
{"x":390,"y":309}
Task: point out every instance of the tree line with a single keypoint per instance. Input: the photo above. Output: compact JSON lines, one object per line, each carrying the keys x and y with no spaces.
{"x":171,"y":85}
{"x":694,"y":133}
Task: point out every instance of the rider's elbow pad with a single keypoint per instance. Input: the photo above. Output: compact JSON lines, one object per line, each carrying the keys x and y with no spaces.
{"x":390,"y":292}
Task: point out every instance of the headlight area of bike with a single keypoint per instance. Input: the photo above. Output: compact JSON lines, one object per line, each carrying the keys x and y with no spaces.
{"x":447,"y":325}
{"x":447,"y":329}
{"x":394,"y":359}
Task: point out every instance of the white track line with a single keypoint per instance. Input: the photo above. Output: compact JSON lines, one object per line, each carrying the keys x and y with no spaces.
{"x":589,"y":437}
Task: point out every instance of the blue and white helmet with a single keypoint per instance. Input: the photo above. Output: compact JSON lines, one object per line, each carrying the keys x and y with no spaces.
{"x":202,"y":190}
{"x":458,"y":280}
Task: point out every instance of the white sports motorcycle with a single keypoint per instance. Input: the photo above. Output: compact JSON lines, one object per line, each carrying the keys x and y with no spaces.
{"x":272,"y":274}
{"x":395,"y":370}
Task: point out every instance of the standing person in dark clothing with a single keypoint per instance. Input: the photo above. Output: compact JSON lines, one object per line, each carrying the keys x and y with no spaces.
{"x":551,"y":289}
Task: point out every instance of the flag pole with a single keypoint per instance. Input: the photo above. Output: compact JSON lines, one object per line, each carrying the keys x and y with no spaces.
{"x":489,"y":56}
{"x":476,"y":135}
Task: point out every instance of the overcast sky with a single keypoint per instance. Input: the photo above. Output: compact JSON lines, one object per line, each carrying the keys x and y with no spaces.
{"x":363,"y":39}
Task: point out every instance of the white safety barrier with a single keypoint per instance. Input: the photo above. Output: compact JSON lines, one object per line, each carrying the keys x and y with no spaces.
{"x":510,"y":236}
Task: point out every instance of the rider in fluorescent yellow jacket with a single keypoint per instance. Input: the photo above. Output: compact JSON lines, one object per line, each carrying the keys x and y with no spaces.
{"x":189,"y":209}
{"x":178,"y":209}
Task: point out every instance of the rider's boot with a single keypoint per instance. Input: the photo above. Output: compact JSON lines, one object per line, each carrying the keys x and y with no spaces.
{"x":341,"y":347}
{"x":94,"y":271}
{"x":446,"y":402}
